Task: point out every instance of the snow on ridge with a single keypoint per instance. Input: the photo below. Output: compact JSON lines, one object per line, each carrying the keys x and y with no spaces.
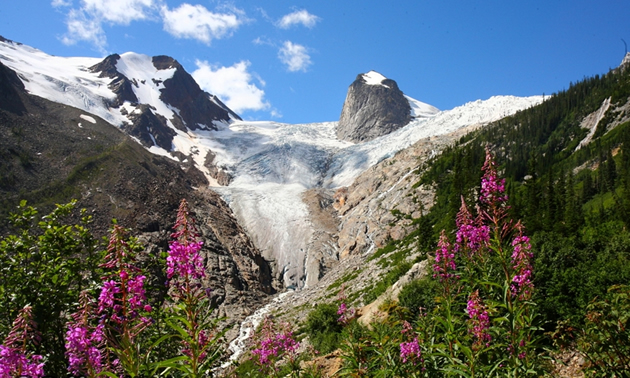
{"x":420,"y":109}
{"x":374,"y":78}
{"x":61,"y":79}
{"x":147,"y":81}
{"x":350,"y":162}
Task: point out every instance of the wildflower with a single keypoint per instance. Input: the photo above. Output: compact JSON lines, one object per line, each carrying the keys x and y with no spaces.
{"x":470,"y":235}
{"x":444,"y":259}
{"x":274,"y":343}
{"x":407,"y":328}
{"x":522,"y":285}
{"x":184,"y":260}
{"x":410,"y":351}
{"x":15,"y":360}
{"x":479,"y":320}
{"x":492,"y":187}
{"x":345,"y":314}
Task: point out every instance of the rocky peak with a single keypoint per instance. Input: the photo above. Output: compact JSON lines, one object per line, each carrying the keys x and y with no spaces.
{"x":626,"y":61}
{"x":196,"y":107}
{"x":374,"y":106}
{"x":120,"y":85}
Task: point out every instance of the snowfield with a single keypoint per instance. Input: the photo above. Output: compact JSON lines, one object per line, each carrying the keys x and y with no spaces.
{"x":272,"y":164}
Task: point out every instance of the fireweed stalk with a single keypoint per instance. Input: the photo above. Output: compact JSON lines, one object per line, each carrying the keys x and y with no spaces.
{"x":346,"y":315}
{"x":15,"y":360}
{"x":273,"y":342}
{"x":120,"y":316}
{"x":490,"y":258}
{"x":85,"y":343}
{"x":191,"y":308}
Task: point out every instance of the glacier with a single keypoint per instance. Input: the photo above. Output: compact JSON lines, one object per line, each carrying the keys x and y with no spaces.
{"x":272,"y":164}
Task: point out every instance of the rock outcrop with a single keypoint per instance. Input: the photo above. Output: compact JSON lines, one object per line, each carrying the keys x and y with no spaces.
{"x":383,"y":201}
{"x":374,"y":107}
{"x":195,"y":108}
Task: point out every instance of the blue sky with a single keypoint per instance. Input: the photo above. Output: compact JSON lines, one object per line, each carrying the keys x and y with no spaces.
{"x":292,"y":61}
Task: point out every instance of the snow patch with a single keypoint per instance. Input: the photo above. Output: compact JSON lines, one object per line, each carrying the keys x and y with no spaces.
{"x":421,"y":110}
{"x":87,"y":118}
{"x":147,"y":82}
{"x":374,"y":78}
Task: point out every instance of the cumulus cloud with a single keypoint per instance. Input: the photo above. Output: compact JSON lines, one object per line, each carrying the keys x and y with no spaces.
{"x":118,"y":11}
{"x":85,"y":23}
{"x":296,"y":18}
{"x":295,"y":56}
{"x":234,"y":85}
{"x":84,"y":28}
{"x":197,"y":22}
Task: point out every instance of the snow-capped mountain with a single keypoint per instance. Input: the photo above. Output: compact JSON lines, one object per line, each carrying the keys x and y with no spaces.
{"x":266,"y":167}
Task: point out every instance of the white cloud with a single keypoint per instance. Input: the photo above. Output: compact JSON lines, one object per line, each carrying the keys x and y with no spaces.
{"x":197,"y":22}
{"x":61,"y":3}
{"x":233,"y":85}
{"x":295,"y":56}
{"x":275,"y":113}
{"x":298,"y":17}
{"x":186,"y":21}
{"x":119,"y":11}
{"x":83,"y":28}
{"x":85,"y":23}
{"x":262,"y":41}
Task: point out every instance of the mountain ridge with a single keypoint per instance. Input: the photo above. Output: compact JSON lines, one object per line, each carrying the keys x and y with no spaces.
{"x":262,"y":169}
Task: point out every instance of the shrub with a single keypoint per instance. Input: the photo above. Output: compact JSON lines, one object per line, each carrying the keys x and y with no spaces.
{"x":419,"y":296}
{"x":323,"y":329}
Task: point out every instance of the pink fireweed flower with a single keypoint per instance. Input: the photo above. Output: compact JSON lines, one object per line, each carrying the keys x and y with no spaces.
{"x":479,"y":322}
{"x":84,"y":349}
{"x":136,"y":293}
{"x":185,"y":229}
{"x":184,"y":260}
{"x":444,"y":259}
{"x":345,"y":314}
{"x":407,"y":328}
{"x":522,"y":285}
{"x":274,"y":343}
{"x":410,"y":351}
{"x":106,"y":298}
{"x":492,"y":187}
{"x":470,"y":235}
{"x":15,"y":360}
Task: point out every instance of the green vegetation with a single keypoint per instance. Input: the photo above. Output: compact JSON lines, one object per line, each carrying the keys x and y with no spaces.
{"x":323,"y":329}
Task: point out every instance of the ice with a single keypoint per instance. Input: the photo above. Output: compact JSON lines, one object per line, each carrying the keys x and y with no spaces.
{"x":271,"y":164}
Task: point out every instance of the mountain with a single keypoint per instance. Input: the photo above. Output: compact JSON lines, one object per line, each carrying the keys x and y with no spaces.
{"x":153,"y":99}
{"x":279,"y":179}
{"x":51,"y":152}
{"x":374,"y":107}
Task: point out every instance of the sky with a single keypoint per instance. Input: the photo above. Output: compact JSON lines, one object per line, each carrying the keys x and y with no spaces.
{"x":292,"y":61}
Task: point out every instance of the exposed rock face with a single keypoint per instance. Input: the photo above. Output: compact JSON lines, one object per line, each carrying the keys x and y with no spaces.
{"x":120,"y":85}
{"x":10,"y":86}
{"x":195,"y":108}
{"x":52,"y":153}
{"x":182,"y":91}
{"x":381,"y":203}
{"x":322,"y":253}
{"x":374,"y":107}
